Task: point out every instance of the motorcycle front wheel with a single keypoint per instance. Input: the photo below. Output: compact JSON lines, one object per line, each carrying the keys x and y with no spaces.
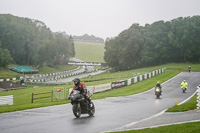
{"x":92,"y":110}
{"x":157,"y":96}
{"x":76,"y":110}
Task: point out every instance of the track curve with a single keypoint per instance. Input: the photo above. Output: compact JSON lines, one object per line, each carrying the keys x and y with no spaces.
{"x":111,"y":113}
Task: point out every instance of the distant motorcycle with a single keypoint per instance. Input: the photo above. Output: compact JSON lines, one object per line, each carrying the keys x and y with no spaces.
{"x":157,"y":92}
{"x":80,"y":105}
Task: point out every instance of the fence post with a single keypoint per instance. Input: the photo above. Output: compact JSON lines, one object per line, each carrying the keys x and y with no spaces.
{"x":32,"y":98}
{"x":52,"y":95}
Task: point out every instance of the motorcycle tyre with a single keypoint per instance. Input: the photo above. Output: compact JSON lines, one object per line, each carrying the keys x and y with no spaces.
{"x":157,"y":96}
{"x":76,"y":110}
{"x":92,"y":110}
{"x":184,"y":90}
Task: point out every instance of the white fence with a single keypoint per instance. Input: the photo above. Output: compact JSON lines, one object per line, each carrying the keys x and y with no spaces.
{"x":198,"y":97}
{"x":119,"y":84}
{"x":6,"y":100}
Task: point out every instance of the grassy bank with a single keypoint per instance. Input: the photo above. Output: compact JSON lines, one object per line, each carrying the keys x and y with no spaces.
{"x":89,"y":52}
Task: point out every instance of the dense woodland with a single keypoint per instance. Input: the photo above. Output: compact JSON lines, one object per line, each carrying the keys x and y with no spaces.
{"x":26,"y":41}
{"x":177,"y":40}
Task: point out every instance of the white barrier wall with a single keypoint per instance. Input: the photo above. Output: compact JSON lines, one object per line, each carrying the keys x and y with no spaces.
{"x":149,"y":75}
{"x":103,"y":87}
{"x":96,"y":89}
{"x":198,"y":97}
{"x":145,"y":76}
{"x":6,"y":100}
{"x":135,"y":79}
{"x":141,"y":77}
{"x":153,"y":73}
{"x":129,"y":81}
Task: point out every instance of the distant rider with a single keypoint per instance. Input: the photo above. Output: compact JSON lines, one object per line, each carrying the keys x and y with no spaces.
{"x":189,"y":68}
{"x":184,"y":84}
{"x":159,"y":86}
{"x":82,"y":88}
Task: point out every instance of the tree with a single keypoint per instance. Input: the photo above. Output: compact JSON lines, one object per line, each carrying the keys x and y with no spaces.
{"x":5,"y":57}
{"x":31,"y":42}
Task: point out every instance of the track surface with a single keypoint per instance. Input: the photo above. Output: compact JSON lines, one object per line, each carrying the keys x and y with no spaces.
{"x":111,"y":113}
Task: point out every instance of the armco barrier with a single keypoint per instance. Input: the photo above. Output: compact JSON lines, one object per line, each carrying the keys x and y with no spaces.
{"x":6,"y":100}
{"x":119,"y":84}
{"x":44,"y":76}
{"x":198,"y":97}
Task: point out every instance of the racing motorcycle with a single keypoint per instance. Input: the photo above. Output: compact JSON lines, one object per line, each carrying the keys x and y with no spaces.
{"x":157,"y":92}
{"x":80,"y":104}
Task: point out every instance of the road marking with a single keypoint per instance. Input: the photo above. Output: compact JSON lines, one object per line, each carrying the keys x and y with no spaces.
{"x":176,"y":123}
{"x":188,"y":98}
{"x":123,"y":128}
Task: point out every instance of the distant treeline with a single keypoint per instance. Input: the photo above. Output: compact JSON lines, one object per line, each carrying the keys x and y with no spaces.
{"x":87,"y":38}
{"x":26,"y":41}
{"x":177,"y":40}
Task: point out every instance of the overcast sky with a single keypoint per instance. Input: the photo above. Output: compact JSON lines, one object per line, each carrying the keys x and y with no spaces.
{"x":101,"y":18}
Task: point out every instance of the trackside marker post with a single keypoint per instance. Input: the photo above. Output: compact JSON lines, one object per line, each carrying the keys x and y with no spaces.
{"x":176,"y":102}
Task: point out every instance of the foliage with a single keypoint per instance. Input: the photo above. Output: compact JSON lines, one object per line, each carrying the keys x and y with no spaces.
{"x":5,"y":57}
{"x":31,"y":42}
{"x":161,"y":42}
{"x":87,"y":38}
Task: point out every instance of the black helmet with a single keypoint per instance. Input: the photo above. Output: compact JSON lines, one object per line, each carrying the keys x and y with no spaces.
{"x":76,"y":81}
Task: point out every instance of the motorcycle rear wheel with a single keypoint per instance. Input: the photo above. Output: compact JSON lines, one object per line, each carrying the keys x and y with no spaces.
{"x":76,"y":110}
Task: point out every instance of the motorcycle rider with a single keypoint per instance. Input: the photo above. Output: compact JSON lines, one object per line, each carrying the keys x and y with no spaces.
{"x":184,"y":85}
{"x":189,"y":68}
{"x":82,"y":88}
{"x":159,"y":86}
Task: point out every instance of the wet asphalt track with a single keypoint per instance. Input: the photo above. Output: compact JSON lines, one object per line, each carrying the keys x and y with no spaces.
{"x":111,"y":113}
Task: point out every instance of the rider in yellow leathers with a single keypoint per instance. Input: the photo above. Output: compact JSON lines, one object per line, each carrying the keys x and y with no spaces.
{"x":184,"y":84}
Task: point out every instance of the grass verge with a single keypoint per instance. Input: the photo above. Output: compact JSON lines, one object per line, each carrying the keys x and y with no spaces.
{"x":189,"y":105}
{"x":192,"y":127}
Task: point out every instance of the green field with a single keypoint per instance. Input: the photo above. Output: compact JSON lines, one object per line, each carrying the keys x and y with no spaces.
{"x":89,"y":52}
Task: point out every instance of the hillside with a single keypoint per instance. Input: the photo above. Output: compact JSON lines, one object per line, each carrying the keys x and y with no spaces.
{"x":89,"y":52}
